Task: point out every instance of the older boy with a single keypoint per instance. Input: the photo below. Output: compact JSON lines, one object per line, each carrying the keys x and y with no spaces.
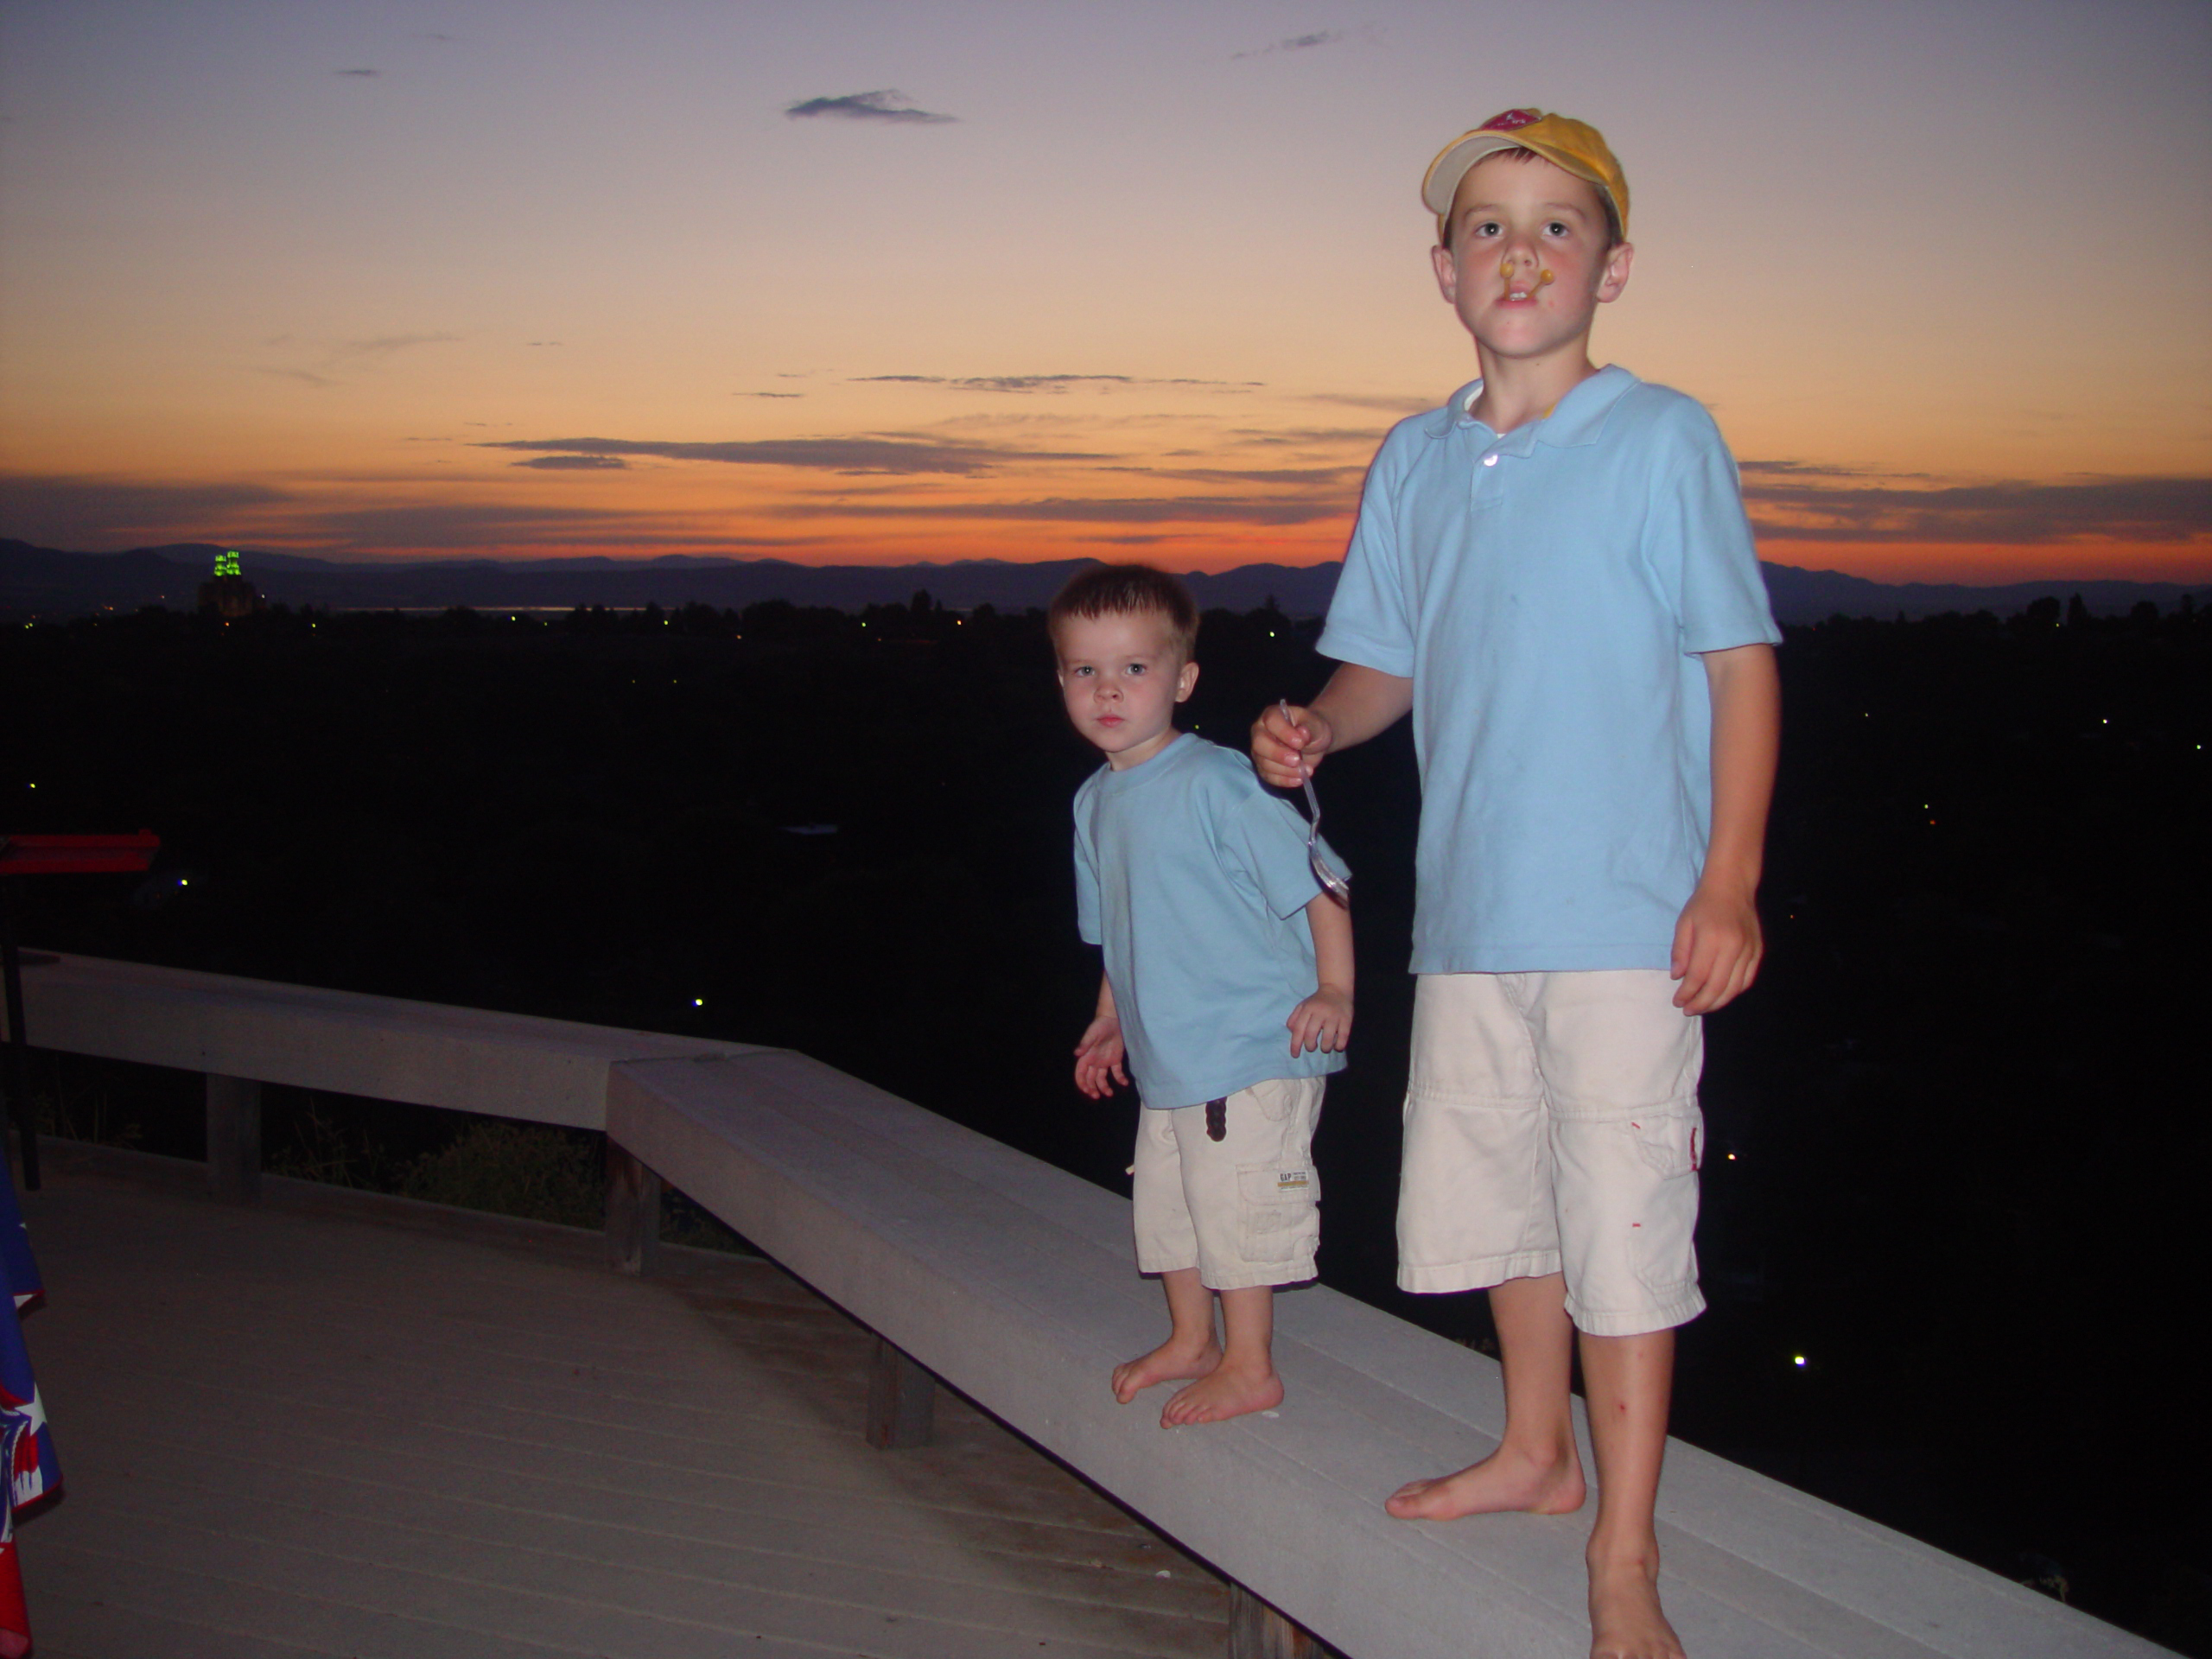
{"x":1198,"y":883}
{"x":1553,"y":574}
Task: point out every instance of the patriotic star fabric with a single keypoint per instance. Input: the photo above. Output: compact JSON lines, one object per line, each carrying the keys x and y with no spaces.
{"x":25,"y":1446}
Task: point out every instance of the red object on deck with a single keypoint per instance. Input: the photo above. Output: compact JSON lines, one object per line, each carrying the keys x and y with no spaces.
{"x":77,"y":854}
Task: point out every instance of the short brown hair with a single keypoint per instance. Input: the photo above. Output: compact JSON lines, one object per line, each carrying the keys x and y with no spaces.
{"x":1128,"y":590}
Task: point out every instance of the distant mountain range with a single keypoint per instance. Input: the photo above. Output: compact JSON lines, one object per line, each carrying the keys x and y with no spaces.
{"x":48,"y":583}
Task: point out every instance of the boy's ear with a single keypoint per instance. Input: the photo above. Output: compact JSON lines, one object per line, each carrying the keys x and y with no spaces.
{"x":1447,"y":274}
{"x":1186,"y":681}
{"x":1615,"y":276}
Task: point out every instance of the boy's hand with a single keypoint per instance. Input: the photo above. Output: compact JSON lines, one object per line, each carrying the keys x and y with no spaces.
{"x":1288,"y":742}
{"x":1098,"y":1058}
{"x":1718,"y":946}
{"x":1322,"y":1021}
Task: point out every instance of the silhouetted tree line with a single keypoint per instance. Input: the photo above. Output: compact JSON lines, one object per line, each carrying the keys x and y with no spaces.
{"x":1957,"y":1139}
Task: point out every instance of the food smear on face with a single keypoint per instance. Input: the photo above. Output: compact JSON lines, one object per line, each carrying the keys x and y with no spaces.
{"x":1505,"y":271}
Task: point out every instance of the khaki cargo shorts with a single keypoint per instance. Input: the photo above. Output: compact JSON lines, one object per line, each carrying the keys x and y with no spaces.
{"x":1552,"y":1126}
{"x":1244,"y":1210}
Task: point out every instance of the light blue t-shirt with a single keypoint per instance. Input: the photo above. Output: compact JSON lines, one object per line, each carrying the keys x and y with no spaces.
{"x":1195,"y":878}
{"x":1548,"y":591}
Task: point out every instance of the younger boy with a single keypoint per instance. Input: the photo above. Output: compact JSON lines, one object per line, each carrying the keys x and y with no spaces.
{"x":1198,"y":883}
{"x":1553,"y":573}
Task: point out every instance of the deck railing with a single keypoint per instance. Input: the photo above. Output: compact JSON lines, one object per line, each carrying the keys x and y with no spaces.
{"x":1011,"y":1280}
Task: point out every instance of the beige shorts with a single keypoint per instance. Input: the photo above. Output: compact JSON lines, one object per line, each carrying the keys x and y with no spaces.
{"x":1552,"y":1125}
{"x":1244,"y":1210}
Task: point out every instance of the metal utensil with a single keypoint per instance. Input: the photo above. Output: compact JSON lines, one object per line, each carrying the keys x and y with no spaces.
{"x":1338,"y":887}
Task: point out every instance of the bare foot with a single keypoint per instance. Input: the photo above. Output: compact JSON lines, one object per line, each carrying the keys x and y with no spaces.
{"x":1625,"y":1622}
{"x":1173,"y":1360}
{"x":1225,"y":1391}
{"x":1507,"y":1479}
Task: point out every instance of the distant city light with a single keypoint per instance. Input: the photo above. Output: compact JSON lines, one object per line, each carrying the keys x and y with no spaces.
{"x":1799,"y":1362}
{"x":1732,"y":1157}
{"x":698,"y":1001}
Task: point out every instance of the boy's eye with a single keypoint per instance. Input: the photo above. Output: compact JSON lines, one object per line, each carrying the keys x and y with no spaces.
{"x":1557,"y":227}
{"x":1136,"y":668}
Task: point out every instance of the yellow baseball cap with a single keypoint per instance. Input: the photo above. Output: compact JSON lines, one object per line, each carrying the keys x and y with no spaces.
{"x":1576,"y":146}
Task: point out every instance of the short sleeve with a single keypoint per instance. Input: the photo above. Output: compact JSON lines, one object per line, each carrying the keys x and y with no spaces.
{"x":1264,"y":840}
{"x":1086,"y":895}
{"x":1707,"y":556}
{"x":1370,"y":622}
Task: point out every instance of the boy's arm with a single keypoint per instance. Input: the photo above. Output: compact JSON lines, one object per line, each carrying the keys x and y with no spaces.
{"x":1322,"y":1020}
{"x":1098,"y":1056}
{"x":1357,"y":703}
{"x":1716,"y":942}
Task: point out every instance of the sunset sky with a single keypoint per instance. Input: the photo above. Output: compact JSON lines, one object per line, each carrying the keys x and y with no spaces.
{"x":850,"y":282}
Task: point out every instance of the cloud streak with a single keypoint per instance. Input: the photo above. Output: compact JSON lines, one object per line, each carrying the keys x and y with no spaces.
{"x":382,"y":345}
{"x":885,"y":105}
{"x":1034,"y":383}
{"x":1067,"y":510}
{"x":1294,"y":43}
{"x":902,"y":456}
{"x":2009,"y":513}
{"x":77,"y":511}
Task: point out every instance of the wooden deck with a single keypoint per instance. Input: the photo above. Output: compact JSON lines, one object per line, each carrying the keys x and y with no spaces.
{"x":323,"y":1426}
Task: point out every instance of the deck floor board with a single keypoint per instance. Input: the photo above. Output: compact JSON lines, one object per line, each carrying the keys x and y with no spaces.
{"x":287,"y":1434}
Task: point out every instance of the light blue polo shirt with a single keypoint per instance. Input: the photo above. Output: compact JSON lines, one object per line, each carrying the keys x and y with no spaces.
{"x":1548,"y":591}
{"x":1195,"y":878}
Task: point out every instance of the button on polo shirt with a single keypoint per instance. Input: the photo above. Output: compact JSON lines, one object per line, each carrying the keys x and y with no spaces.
{"x":1548,"y":591}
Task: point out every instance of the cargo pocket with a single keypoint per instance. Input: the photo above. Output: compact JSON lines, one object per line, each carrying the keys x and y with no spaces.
{"x":1671,"y":1142}
{"x":1279,"y":1216}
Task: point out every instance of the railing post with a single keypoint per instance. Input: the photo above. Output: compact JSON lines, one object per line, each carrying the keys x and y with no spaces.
{"x":234,"y":1139}
{"x":1258,"y":1631}
{"x":633,"y":1212}
{"x":901,"y":1401}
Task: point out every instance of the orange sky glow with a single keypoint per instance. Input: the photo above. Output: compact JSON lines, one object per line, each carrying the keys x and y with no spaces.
{"x":863,"y":283}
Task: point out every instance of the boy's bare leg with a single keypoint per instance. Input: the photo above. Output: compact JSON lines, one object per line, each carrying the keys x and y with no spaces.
{"x":1190,"y":1349}
{"x":1628,"y":1382}
{"x":1535,"y":1467}
{"x":1245,"y":1379}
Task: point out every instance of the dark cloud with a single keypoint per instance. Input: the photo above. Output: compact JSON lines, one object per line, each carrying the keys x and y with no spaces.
{"x":576,"y":463}
{"x":1294,"y":43}
{"x":359,"y":74}
{"x":885,"y":105}
{"x":902,"y":456}
{"x":767,"y":394}
{"x":107,"y":514}
{"x":303,"y":375}
{"x":544,"y":342}
{"x":2010,"y":514}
